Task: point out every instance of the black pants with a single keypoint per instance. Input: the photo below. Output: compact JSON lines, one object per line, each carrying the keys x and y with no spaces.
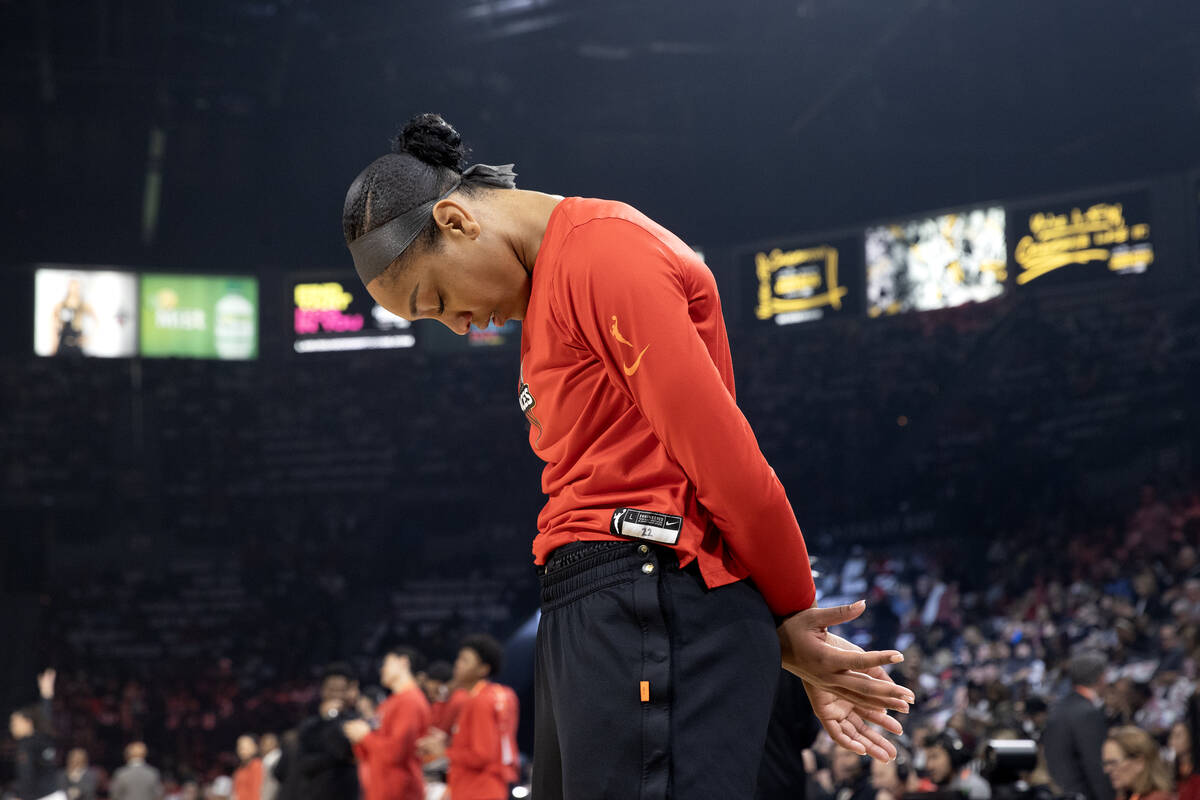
{"x":647,"y":684}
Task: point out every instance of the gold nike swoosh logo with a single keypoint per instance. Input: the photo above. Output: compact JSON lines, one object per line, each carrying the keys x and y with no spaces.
{"x":630,"y":370}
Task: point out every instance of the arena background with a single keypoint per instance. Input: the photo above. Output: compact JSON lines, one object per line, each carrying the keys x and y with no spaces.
{"x":191,"y":532}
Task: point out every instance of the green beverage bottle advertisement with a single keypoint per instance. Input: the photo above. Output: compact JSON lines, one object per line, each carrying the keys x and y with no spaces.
{"x":199,"y":316}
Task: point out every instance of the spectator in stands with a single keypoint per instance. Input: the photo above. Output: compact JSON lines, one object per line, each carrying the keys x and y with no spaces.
{"x":890,"y":779}
{"x":390,"y":750}
{"x":324,"y":757}
{"x":1132,"y":762}
{"x":483,"y":746}
{"x":137,"y":780}
{"x":851,"y":777}
{"x":946,"y":760}
{"x":269,"y":745}
{"x":1181,"y":749}
{"x":1075,"y":732}
{"x":79,"y":780}
{"x":248,"y":779}
{"x":32,"y":729}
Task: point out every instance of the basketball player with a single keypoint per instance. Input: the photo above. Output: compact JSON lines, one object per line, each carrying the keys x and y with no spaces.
{"x":674,"y":575}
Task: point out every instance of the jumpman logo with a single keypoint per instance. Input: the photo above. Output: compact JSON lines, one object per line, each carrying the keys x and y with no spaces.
{"x":637,"y":363}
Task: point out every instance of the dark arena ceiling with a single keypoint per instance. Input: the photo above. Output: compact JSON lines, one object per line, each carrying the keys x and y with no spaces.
{"x":727,"y":121}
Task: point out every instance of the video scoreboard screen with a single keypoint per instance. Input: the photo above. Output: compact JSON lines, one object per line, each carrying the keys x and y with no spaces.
{"x":793,"y":283}
{"x":199,"y":316}
{"x":1065,"y":242}
{"x":936,"y":262}
{"x":84,"y":312}
{"x":337,"y":315}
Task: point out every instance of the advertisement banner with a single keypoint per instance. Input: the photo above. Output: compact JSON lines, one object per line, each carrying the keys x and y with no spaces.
{"x":199,"y":316}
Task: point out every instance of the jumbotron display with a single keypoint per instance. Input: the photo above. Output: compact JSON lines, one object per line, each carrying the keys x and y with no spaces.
{"x":80,"y":312}
{"x":802,"y":283}
{"x":936,"y":262}
{"x":199,"y":316}
{"x":335,"y":315}
{"x":1082,"y":240}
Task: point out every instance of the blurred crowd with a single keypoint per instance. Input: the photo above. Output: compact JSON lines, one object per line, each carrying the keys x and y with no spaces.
{"x":421,"y":733}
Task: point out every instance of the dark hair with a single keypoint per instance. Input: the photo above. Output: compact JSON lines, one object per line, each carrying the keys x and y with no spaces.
{"x":488,"y":649}
{"x":952,"y":743}
{"x":440,"y":671}
{"x":416,"y":662}
{"x":427,"y":158}
{"x":338,"y":669}
{"x":1086,"y":668}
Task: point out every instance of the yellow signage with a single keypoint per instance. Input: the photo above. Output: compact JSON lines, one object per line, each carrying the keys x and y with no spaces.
{"x":797,"y":280}
{"x":1099,"y":233}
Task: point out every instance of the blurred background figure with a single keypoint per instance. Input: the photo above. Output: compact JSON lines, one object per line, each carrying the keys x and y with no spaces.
{"x":946,"y":766}
{"x":325,"y":767}
{"x":1075,"y":731}
{"x":248,"y":778}
{"x":269,"y":744}
{"x":79,"y":780}
{"x":892,"y":780}
{"x":1134,"y":765}
{"x":32,"y":728}
{"x":388,"y":748}
{"x":137,"y":780}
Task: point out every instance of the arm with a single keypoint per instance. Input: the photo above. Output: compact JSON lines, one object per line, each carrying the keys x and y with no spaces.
{"x":628,"y":300}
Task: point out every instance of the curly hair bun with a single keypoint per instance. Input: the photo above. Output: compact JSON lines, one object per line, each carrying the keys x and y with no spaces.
{"x":434,"y":141}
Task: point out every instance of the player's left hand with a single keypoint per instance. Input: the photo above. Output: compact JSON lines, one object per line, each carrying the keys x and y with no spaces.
{"x":356,"y":730}
{"x":830,"y":663}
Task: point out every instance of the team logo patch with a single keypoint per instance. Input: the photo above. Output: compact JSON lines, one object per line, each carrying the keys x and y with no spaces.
{"x":527,"y":403}
{"x":634,"y":523}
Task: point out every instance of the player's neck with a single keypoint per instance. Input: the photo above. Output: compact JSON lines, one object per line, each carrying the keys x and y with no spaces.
{"x":400,"y":684}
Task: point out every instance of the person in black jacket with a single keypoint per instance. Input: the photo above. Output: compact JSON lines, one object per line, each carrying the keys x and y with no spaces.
{"x":324,"y":764}
{"x":37,"y":754}
{"x":1075,"y":732}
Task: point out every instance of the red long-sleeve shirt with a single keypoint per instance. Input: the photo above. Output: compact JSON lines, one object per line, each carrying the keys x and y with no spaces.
{"x":390,"y":751}
{"x":247,"y":780}
{"x":483,"y":747}
{"x":627,"y":382}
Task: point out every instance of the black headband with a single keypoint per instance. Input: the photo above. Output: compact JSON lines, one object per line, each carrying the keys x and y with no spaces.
{"x":373,"y":252}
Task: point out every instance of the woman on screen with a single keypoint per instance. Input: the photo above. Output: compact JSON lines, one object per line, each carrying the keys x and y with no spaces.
{"x":68,"y":322}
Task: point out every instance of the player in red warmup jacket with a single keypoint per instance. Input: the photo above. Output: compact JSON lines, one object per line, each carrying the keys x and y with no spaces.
{"x":390,"y":751}
{"x":483,"y":744}
{"x":248,"y":778}
{"x":674,"y":576}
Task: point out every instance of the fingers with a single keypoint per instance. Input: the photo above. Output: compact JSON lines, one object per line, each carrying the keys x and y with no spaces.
{"x":881,"y":719}
{"x":882,"y":693}
{"x":842,"y":738}
{"x":863,"y":701}
{"x":838,"y":659}
{"x":878,"y":746}
{"x":834,"y":615}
